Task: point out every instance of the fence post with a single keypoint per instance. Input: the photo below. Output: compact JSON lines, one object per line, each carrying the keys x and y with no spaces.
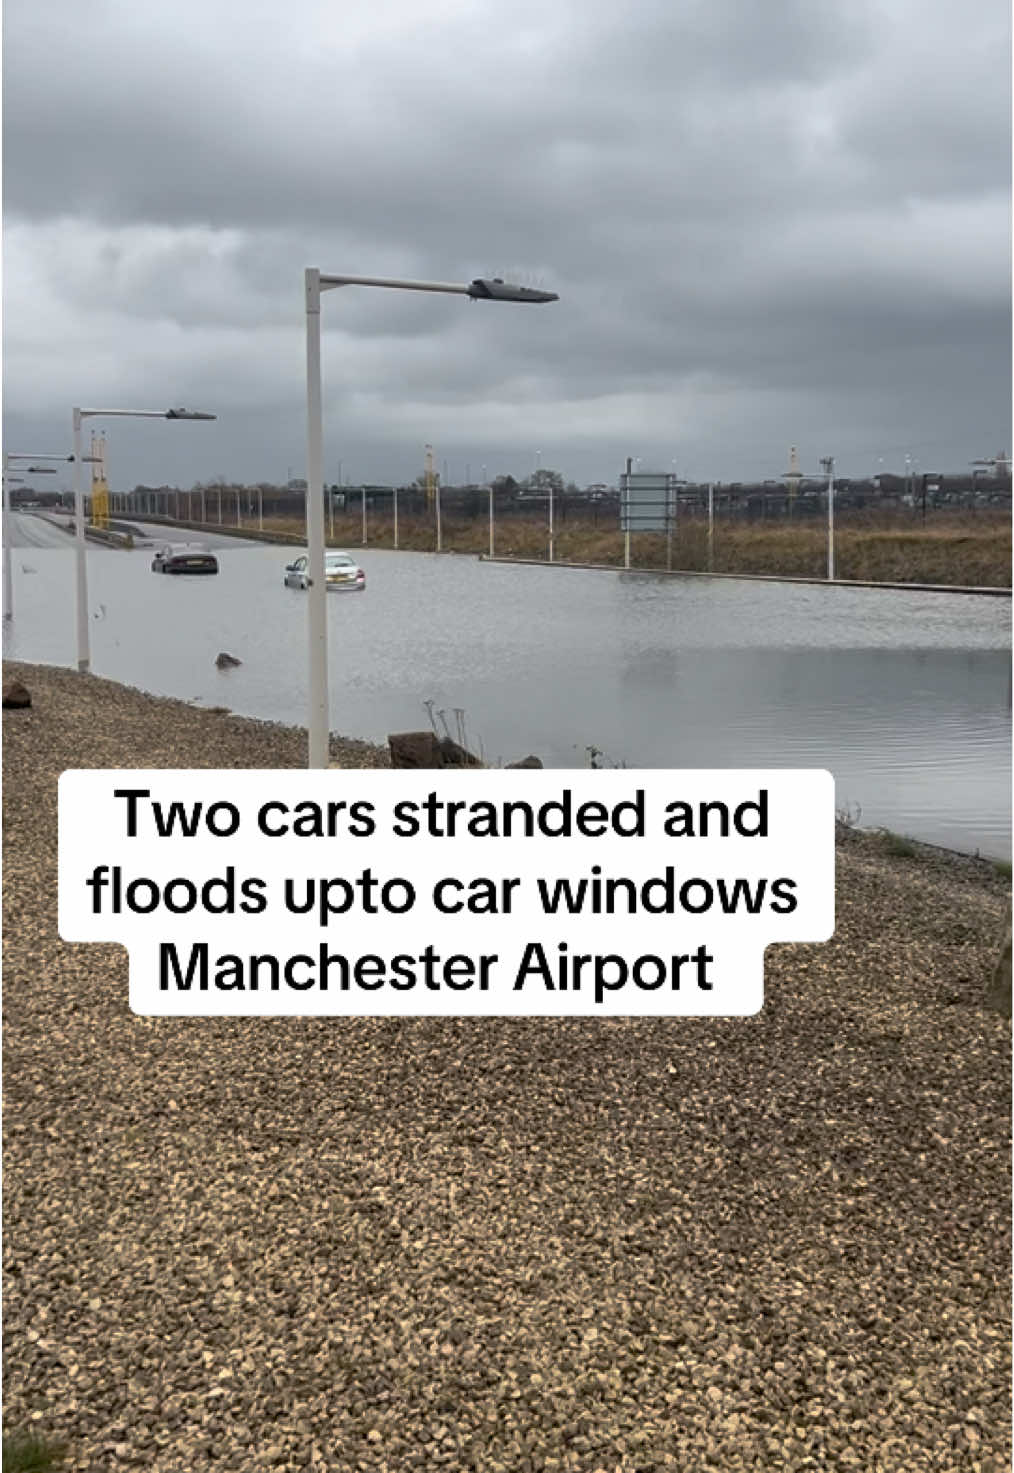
{"x":711,"y":526}
{"x":364,"y":516}
{"x":491,"y":525}
{"x":440,"y":531}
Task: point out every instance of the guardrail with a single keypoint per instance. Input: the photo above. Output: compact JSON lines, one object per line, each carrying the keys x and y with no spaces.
{"x":253,"y":534}
{"x":94,"y":534}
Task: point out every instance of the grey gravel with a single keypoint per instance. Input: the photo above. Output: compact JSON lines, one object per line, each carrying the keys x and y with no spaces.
{"x":780,"y":1242}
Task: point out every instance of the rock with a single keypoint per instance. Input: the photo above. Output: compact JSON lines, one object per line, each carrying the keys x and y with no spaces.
{"x":16,"y":696}
{"x":424,"y":749}
{"x":525,"y":762}
{"x":226,"y":662}
{"x":413,"y":749}
{"x":451,"y":755}
{"x":998,"y":993}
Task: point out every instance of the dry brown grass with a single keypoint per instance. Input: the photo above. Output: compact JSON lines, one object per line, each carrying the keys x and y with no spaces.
{"x":962,"y":549}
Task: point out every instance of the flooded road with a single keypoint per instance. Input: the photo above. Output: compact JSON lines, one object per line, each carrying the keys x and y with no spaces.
{"x":906,"y":697}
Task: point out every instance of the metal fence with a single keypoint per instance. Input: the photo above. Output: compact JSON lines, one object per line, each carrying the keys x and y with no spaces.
{"x":250,"y":506}
{"x":680,"y":528}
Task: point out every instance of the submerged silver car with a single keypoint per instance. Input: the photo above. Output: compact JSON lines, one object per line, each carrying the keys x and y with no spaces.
{"x":342,"y":574}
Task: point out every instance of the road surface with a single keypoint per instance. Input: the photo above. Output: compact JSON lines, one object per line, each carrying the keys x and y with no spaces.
{"x":33,"y":531}
{"x":39,"y":532}
{"x":160,"y":535}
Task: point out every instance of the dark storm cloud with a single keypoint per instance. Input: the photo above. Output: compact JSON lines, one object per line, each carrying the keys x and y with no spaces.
{"x":765,"y":222}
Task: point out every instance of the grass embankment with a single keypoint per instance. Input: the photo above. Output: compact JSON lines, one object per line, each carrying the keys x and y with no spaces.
{"x":964,"y":550}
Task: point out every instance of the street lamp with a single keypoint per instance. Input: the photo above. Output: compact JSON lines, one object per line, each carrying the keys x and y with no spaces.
{"x":998,"y":466}
{"x":30,"y":470}
{"x":315,"y":282}
{"x":828,"y":466}
{"x":8,"y":568}
{"x":83,"y":653}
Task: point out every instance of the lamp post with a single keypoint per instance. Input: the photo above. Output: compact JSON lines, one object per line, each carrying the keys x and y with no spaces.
{"x":828,"y":465}
{"x":8,"y":565}
{"x":83,"y":652}
{"x":316,"y":282}
{"x":711,"y":526}
{"x":38,"y":470}
{"x":997,"y":466}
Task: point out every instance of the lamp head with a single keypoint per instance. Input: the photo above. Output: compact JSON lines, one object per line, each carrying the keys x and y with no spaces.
{"x":494,"y":289}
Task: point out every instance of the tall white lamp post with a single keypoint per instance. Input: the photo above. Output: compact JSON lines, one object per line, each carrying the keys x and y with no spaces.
{"x":316,"y":282}
{"x":828,"y":465}
{"x":83,"y":651}
{"x":40,"y":470}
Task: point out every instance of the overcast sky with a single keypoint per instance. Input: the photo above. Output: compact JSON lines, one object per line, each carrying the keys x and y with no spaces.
{"x":769,"y":224}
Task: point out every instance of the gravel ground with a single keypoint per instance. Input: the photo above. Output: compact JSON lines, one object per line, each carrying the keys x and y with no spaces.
{"x":778,"y":1242}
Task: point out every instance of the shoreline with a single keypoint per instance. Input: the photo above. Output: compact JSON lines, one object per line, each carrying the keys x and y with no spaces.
{"x":501,"y":1243}
{"x":359,"y":752}
{"x":983,"y":592}
{"x":63,"y":680}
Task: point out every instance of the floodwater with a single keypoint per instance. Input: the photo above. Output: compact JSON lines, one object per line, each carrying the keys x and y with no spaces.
{"x":906,"y":697}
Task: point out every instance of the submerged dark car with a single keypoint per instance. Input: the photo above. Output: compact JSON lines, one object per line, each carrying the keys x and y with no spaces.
{"x":184,"y":560}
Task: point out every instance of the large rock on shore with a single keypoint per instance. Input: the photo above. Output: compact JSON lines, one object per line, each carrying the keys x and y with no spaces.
{"x":426,"y":749}
{"x":16,"y":696}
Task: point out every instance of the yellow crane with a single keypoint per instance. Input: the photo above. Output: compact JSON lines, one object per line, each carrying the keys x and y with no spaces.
{"x":793,"y":476}
{"x":100,"y":486}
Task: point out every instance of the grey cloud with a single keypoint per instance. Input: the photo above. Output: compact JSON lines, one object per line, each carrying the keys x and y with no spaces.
{"x":759,"y":214}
